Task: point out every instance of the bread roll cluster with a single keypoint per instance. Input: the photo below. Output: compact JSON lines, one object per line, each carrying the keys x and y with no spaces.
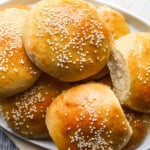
{"x":74,"y":73}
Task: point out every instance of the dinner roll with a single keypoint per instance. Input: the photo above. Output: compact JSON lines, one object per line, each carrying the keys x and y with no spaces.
{"x":25,"y":112}
{"x":139,"y":124}
{"x":17,"y":72}
{"x":114,"y":20}
{"x":73,"y":43}
{"x":88,"y":116}
{"x":129,"y":67}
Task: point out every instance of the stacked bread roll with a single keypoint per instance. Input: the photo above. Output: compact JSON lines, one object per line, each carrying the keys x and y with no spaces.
{"x":17,"y":72}
{"x":25,"y":112}
{"x":74,"y":73}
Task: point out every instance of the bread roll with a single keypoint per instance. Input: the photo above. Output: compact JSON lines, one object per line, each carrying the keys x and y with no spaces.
{"x":88,"y":116}
{"x":73,"y":43}
{"x":139,"y":124}
{"x":114,"y":20}
{"x":17,"y":72}
{"x":25,"y":112}
{"x":129,"y":67}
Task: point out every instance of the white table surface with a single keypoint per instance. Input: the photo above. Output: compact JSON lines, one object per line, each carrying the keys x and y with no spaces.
{"x":138,"y":7}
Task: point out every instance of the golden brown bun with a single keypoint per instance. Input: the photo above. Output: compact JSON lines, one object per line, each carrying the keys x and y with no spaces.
{"x":25,"y":112}
{"x":91,"y":118}
{"x":17,"y":72}
{"x":115,"y":21}
{"x":139,"y":124}
{"x":73,"y":43}
{"x":129,"y":67}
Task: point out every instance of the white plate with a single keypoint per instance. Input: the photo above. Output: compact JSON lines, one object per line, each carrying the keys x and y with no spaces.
{"x":136,"y":24}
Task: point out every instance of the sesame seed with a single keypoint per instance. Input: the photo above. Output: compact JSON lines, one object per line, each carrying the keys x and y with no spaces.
{"x":15,"y":70}
{"x":3,"y":77}
{"x":22,"y":61}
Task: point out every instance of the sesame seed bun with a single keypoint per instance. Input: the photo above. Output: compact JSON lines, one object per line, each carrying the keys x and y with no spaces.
{"x":139,"y":124}
{"x":129,"y":67}
{"x":114,"y":21}
{"x":73,"y":43}
{"x":25,"y":112}
{"x":17,"y":72}
{"x":91,"y":118}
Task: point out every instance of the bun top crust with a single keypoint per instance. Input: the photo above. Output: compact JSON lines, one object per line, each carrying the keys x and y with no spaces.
{"x":73,"y":43}
{"x":114,"y":21}
{"x":17,"y":72}
{"x":139,"y":64}
{"x":25,"y":112}
{"x":91,"y":118}
{"x":138,"y":122}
